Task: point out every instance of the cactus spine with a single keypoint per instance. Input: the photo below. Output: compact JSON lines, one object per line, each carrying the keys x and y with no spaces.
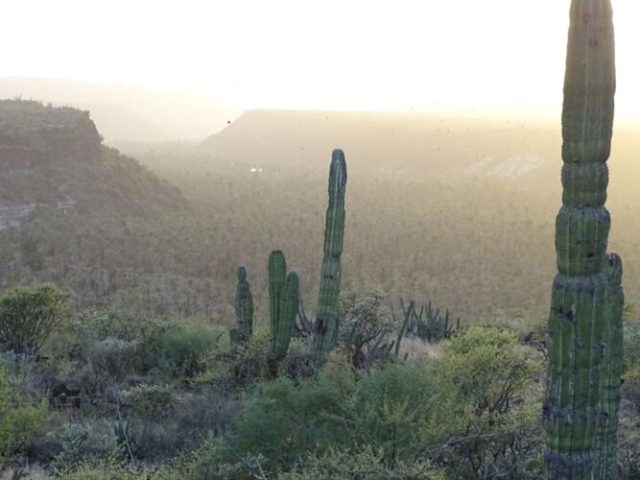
{"x":583,"y":322}
{"x":284,"y":298}
{"x":244,"y":308}
{"x":327,"y":319}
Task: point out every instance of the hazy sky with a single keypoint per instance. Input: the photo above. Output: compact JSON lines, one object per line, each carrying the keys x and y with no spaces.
{"x":321,"y":54}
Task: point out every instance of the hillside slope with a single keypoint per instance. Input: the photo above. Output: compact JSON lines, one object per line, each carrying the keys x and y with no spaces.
{"x":388,"y":143}
{"x":53,"y":158}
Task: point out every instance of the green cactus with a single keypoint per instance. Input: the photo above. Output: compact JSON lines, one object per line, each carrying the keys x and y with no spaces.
{"x":244,"y":309}
{"x":607,"y":427}
{"x":585,"y":304}
{"x":327,"y":319}
{"x":430,"y":325}
{"x":284,"y":297}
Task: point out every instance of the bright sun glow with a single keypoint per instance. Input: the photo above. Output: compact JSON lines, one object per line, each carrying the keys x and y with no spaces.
{"x":493,"y":55}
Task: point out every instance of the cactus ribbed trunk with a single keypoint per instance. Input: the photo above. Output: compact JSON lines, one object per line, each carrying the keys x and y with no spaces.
{"x":583,"y":322}
{"x":606,"y":441}
{"x":327,"y":319}
{"x":244,"y":308}
{"x":284,"y":298}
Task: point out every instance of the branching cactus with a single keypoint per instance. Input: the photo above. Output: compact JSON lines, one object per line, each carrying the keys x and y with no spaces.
{"x":583,"y":318}
{"x":284,"y":297}
{"x":327,"y":319}
{"x":244,"y":309}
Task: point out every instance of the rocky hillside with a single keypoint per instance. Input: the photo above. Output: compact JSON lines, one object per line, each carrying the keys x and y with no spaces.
{"x":53,"y":157}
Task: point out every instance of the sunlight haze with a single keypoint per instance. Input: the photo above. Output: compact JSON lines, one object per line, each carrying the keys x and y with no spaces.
{"x":491,"y":56}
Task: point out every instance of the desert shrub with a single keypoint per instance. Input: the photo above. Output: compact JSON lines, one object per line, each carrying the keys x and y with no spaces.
{"x":114,"y":358}
{"x":179,"y":349}
{"x":366,"y":322}
{"x":393,"y":409}
{"x":283,"y":421}
{"x":212,"y":460}
{"x":488,"y":382}
{"x":150,"y":401}
{"x":83,"y":443}
{"x":236,"y":366}
{"x":148,"y":411}
{"x":629,"y":436}
{"x":101,"y":324}
{"x":344,"y":464}
{"x":29,"y":315}
{"x":20,"y":419}
{"x":397,"y":409}
{"x":112,"y":467}
{"x":162,"y":422}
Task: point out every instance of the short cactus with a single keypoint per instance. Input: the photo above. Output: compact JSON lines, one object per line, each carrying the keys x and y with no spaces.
{"x":432,"y":326}
{"x":586,"y":305}
{"x":244,"y":309}
{"x":327,"y":319}
{"x":284,"y":297}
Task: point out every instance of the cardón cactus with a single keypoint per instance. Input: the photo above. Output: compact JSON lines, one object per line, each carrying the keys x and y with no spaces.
{"x":586,"y":297}
{"x":284,"y":297}
{"x":244,"y":309}
{"x":327,"y":319}
{"x":606,"y":441}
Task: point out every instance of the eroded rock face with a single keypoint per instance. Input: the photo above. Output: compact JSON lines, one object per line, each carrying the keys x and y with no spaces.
{"x":31,"y":130}
{"x":53,"y":157}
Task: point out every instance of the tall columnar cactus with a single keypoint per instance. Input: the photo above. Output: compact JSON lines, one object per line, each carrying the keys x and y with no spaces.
{"x":607,"y":427}
{"x":284,"y":297}
{"x":327,"y":319}
{"x":244,"y":308}
{"x":583,"y":319}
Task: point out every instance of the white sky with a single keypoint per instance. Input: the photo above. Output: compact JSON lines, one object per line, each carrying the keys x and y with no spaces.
{"x":320,"y":54}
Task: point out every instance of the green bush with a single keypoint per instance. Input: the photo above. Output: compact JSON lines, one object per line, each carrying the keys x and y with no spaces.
{"x":366,"y":321}
{"x":398,"y":410}
{"x":180,"y":349}
{"x":113,"y":467}
{"x":114,"y":358}
{"x":163,"y":422}
{"x":488,"y":385}
{"x":211,"y":461}
{"x":343,"y":464}
{"x":82,"y":443}
{"x":150,"y":401}
{"x":19,"y":419}
{"x":283,"y":421}
{"x":476,"y":410}
{"x":29,"y":315}
{"x":393,"y":409}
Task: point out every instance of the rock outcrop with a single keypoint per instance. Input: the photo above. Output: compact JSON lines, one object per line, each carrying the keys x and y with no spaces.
{"x":53,"y":157}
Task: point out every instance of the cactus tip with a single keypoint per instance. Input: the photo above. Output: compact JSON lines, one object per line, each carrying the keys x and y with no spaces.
{"x":242,"y":273}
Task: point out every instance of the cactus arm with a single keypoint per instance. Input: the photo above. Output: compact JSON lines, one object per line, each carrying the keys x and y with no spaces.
{"x":284,"y":298}
{"x":580,"y":304}
{"x":277,"y":276}
{"x":327,"y":319}
{"x":243,"y":308}
{"x":408,"y":313}
{"x":287,"y":311}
